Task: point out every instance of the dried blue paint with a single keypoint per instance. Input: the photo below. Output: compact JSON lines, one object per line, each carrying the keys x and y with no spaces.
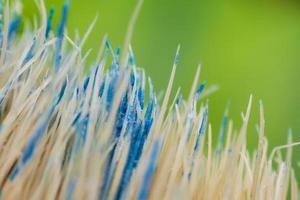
{"x":201,"y":129}
{"x":139,"y":133}
{"x":60,"y":36}
{"x":86,"y":83}
{"x":30,"y":53}
{"x":49,"y":22}
{"x":13,"y":27}
{"x":200,"y":88}
{"x":147,"y":179}
{"x":109,"y":171}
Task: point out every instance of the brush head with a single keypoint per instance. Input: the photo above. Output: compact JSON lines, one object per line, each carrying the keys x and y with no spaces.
{"x":67,"y":134}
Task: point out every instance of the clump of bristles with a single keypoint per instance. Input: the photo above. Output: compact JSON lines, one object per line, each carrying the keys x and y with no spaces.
{"x":69,"y":135}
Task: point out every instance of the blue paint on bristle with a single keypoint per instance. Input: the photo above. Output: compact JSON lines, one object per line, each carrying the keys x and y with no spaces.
{"x":201,"y":129}
{"x":135,"y":130}
{"x":111,"y":91}
{"x":141,"y":97}
{"x":144,"y":190}
{"x":13,"y":27}
{"x":60,"y":35}
{"x":200,"y":88}
{"x":118,"y":128}
{"x":30,"y":53}
{"x":199,"y":91}
{"x":49,"y":22}
{"x":86,"y":83}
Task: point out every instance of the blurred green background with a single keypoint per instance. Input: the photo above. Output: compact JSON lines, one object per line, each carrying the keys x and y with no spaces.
{"x":244,"y":46}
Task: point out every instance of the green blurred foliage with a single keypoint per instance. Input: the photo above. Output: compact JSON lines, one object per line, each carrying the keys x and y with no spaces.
{"x":246,"y":47}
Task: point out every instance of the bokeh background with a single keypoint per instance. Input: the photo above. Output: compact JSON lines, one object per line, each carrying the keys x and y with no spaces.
{"x":244,"y":46}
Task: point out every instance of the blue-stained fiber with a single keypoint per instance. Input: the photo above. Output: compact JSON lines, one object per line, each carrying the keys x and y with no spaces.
{"x":14,"y":172}
{"x":115,"y":64}
{"x":76,"y":118}
{"x":80,"y":123}
{"x":109,"y":170}
{"x":141,"y":97}
{"x":13,"y":27}
{"x":139,"y":133}
{"x":132,"y":79}
{"x":60,"y":35}
{"x":111,"y":90}
{"x":132,"y":131}
{"x":86,"y":83}
{"x":110,"y":167}
{"x":200,"y":88}
{"x":49,"y":22}
{"x":148,"y":121}
{"x":36,"y":136}
{"x":111,"y":51}
{"x":141,"y":141}
{"x":77,"y":90}
{"x":199,"y":91}
{"x":94,"y":74}
{"x":118,"y":52}
{"x":131,"y":59}
{"x":147,"y":179}
{"x":149,"y":110}
{"x":121,"y":115}
{"x":201,"y":129}
{"x":61,"y":93}
{"x":30,"y":53}
{"x":107,"y":44}
{"x":63,"y":21}
{"x":102,"y":86}
{"x":131,"y":115}
{"x":81,"y":129}
{"x":178,"y":99}
{"x":95,"y":77}
{"x":130,"y":162}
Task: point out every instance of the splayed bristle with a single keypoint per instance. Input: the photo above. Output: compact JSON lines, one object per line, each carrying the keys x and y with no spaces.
{"x":66,"y":134}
